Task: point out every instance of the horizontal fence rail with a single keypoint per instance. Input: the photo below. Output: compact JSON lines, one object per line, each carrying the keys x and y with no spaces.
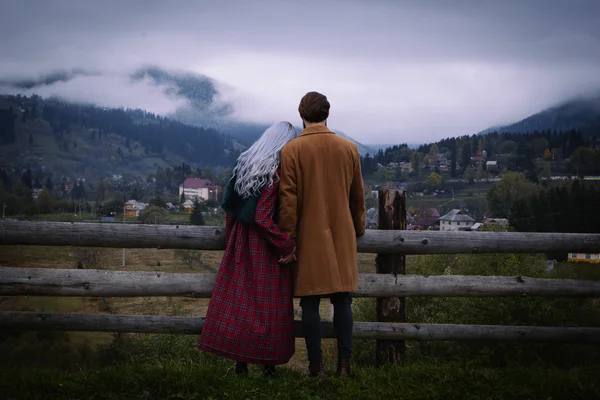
{"x":362,"y":330}
{"x":212,"y":238}
{"x":108,"y":283}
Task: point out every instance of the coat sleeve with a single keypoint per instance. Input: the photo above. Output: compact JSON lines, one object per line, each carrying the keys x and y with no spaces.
{"x":288,"y":195}
{"x":357,"y":197}
{"x":264,"y":220}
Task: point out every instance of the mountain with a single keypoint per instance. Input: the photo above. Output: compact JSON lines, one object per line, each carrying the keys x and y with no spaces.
{"x":92,"y":141}
{"x":362,"y":149}
{"x":202,"y":106}
{"x":46,"y":79}
{"x":203,"y":109}
{"x":582,"y":114}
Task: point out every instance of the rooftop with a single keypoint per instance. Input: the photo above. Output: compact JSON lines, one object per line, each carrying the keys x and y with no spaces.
{"x":196,"y":183}
{"x":457,"y":216}
{"x":138,"y":205}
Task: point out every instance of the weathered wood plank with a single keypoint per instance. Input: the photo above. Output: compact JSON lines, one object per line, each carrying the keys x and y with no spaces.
{"x":104,"y":283}
{"x":362,"y":330}
{"x":392,"y":216}
{"x":212,"y":238}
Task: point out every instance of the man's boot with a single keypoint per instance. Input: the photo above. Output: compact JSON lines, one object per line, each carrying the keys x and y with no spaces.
{"x":316,"y":370}
{"x":343,"y":367}
{"x":241,"y":368}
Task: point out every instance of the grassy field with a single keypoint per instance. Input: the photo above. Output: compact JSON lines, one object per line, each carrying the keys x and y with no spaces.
{"x":81,"y":365}
{"x":199,"y":378}
{"x":471,"y":197}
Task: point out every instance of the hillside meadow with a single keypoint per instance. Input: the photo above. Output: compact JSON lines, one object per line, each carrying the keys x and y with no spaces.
{"x":84,"y":365}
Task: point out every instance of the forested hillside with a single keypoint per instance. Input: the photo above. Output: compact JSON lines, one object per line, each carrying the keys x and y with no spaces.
{"x":529,"y":152}
{"x":101,"y":141}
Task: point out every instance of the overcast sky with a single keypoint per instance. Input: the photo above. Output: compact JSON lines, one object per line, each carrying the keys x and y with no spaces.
{"x":394,"y":71}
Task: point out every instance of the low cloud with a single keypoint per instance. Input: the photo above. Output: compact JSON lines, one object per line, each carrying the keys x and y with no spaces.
{"x":110,"y":91}
{"x":395,"y":71}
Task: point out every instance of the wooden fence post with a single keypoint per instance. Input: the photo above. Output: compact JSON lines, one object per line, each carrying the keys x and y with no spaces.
{"x":392,"y":216}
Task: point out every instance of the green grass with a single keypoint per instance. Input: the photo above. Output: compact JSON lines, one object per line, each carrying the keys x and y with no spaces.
{"x":170,"y":367}
{"x":59,"y":217}
{"x":205,"y":379}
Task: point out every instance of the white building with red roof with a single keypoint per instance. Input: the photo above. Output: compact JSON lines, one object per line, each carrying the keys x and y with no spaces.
{"x":202,"y":189}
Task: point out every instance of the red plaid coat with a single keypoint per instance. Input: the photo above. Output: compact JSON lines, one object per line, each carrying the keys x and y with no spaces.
{"x":250,"y":315}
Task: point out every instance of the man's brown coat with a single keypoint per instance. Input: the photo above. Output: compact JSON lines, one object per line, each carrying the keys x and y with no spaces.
{"x":322,"y":206}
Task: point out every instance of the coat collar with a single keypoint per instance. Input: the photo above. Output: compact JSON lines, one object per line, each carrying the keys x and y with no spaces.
{"x":311,"y":130}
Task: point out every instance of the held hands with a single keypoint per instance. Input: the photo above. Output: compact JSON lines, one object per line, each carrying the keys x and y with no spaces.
{"x":290,"y":258}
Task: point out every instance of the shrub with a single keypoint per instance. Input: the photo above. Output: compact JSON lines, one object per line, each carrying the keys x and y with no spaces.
{"x":89,"y":257}
{"x":526,"y":311}
{"x":190,"y":258}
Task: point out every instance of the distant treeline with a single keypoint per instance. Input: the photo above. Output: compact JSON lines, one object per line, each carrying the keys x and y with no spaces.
{"x":153,"y":132}
{"x":514,"y":151}
{"x":573,"y":207}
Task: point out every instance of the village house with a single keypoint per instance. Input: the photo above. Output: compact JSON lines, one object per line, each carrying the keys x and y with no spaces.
{"x":202,"y":189}
{"x":134,"y":208}
{"x":426,"y":219}
{"x":35,"y":193}
{"x":188,"y":206}
{"x":593,"y":258}
{"x":442,"y":164}
{"x":491,"y":166}
{"x":456,"y":220}
{"x":477,"y":160}
{"x":406,"y":167}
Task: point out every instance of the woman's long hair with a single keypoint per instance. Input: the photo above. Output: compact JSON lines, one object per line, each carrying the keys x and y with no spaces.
{"x":257,"y":166}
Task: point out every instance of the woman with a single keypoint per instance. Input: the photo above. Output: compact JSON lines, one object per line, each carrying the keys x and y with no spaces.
{"x":250,"y":315}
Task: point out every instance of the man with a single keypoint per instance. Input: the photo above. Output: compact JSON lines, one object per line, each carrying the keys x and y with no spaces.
{"x":322,"y":206}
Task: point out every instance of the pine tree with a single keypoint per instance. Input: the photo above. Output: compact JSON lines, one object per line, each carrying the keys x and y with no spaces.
{"x":466,"y":155}
{"x":27,"y":179}
{"x":197,"y":218}
{"x":453,"y":160}
{"x":101,"y":191}
{"x":44,"y":201}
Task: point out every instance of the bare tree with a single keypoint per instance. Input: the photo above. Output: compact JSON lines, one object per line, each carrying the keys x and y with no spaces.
{"x":193,"y":258}
{"x":190,"y":258}
{"x":89,"y":257}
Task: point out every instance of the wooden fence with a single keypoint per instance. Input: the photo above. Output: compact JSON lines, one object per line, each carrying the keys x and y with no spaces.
{"x":389,"y":286}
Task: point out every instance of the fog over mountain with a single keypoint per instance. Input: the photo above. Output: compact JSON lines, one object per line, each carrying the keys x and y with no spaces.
{"x":197,"y":97}
{"x":581,"y":113}
{"x":394,"y":71}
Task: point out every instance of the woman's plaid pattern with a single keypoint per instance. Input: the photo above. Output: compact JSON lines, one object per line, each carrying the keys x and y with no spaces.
{"x":250,"y":315}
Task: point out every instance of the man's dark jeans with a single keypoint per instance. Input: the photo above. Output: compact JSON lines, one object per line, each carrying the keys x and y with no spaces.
{"x":342,"y":324}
